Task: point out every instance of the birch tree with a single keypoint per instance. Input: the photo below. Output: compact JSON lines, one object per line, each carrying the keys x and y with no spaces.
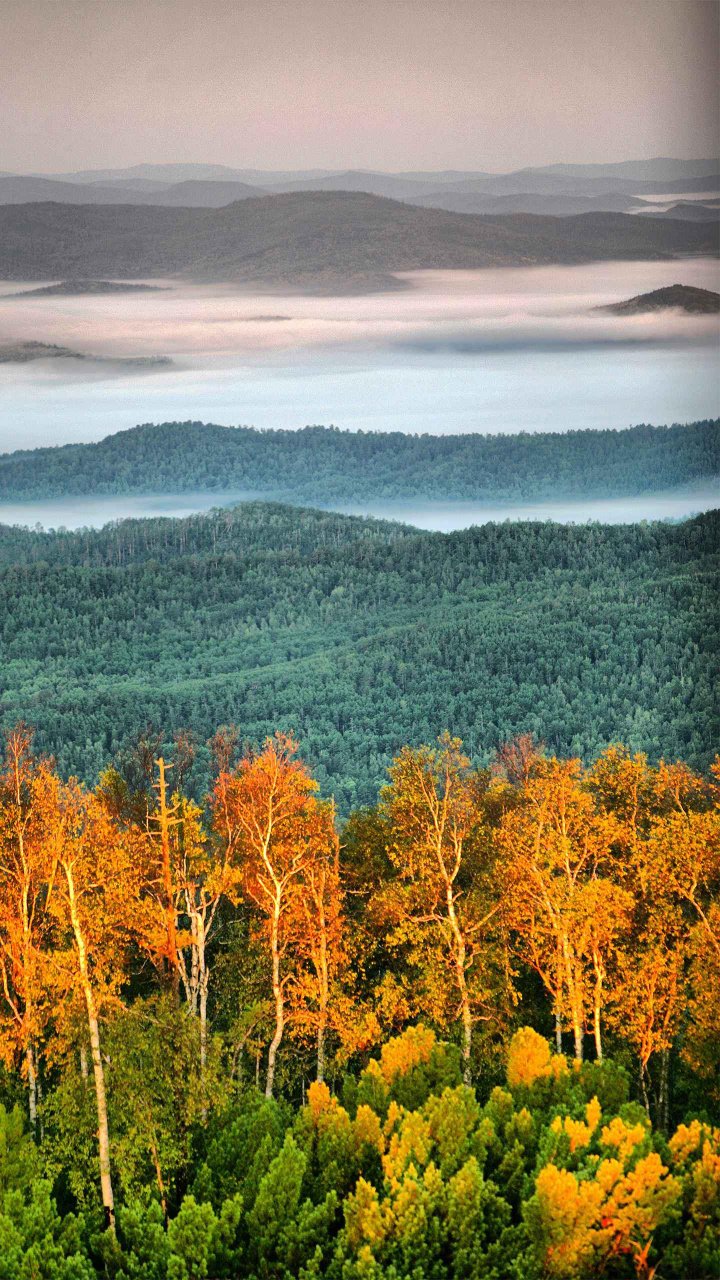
{"x":96,"y":901}
{"x":441,"y":903}
{"x":24,"y":921}
{"x":276,"y":828}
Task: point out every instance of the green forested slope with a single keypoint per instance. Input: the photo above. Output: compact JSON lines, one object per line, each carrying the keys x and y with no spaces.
{"x":360,"y":636}
{"x":320,"y":464}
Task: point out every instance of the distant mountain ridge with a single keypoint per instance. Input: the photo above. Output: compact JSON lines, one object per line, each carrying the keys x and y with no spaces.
{"x":557,"y":190}
{"x":336,"y":241}
{"x":203,"y":193}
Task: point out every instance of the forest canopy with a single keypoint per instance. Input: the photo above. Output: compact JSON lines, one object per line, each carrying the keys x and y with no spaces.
{"x":326,"y":465}
{"x":359,"y":636}
{"x":240,"y":1040}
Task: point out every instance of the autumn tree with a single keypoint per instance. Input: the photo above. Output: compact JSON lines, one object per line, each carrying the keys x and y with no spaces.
{"x":185,"y":872}
{"x":95,"y":901}
{"x":277,"y":829}
{"x":442,"y":900}
{"x":555,"y":848}
{"x":24,"y":920}
{"x":188,"y":874}
{"x":316,"y":932}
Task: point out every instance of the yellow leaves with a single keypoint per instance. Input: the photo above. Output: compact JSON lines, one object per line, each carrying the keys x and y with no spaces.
{"x":366,"y":1221}
{"x":465,"y":1187}
{"x":367,"y":1130}
{"x":593,"y":1114}
{"x":452,"y":1118}
{"x":695,"y":1151}
{"x":406,"y":1051}
{"x":320,"y":1099}
{"x":640,"y":1201}
{"x":622,"y":1137}
{"x":578,"y":1133}
{"x":585,"y":1221}
{"x":568,"y":1210}
{"x":689,"y":1140}
{"x":358,"y":1028}
{"x":529,"y":1059}
{"x":410,"y":1144}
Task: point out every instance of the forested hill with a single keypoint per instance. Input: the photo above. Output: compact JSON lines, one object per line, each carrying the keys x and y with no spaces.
{"x":325,"y":239}
{"x":359,"y":636}
{"x":319,"y":464}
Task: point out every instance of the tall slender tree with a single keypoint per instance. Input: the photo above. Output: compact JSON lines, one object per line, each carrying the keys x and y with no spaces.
{"x":554,"y":843}
{"x":25,"y":924}
{"x":277,"y":828}
{"x":442,"y":901}
{"x":96,"y":901}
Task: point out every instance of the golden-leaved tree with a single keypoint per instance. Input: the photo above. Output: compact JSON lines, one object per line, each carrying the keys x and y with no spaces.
{"x":280,"y":835}
{"x":442,"y":903}
{"x":561,"y":903}
{"x":96,"y":904}
{"x":25,"y":924}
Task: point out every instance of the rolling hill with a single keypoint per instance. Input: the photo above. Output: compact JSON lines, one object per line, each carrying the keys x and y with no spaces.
{"x":324,"y":465}
{"x":192,"y":192}
{"x":321,"y":240}
{"x":682,"y":297}
{"x":360,"y":636}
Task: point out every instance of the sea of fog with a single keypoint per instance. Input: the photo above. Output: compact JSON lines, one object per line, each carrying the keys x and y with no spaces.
{"x":94,"y":512}
{"x":492,"y":351}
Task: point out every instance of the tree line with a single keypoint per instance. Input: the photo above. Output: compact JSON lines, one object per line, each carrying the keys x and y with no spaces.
{"x":326,"y":464}
{"x":193,"y":997}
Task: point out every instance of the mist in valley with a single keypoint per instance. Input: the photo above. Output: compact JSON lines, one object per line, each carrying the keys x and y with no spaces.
{"x":486,"y":351}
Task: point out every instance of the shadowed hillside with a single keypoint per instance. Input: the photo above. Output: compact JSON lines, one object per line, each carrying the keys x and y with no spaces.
{"x":682,"y":297}
{"x":315,"y":240}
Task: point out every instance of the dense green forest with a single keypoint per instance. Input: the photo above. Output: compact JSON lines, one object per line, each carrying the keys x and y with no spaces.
{"x":325,"y":465}
{"x":359,"y":635}
{"x":241,"y":1042}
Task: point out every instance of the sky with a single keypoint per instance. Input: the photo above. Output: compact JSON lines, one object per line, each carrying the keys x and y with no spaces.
{"x":374,"y":84}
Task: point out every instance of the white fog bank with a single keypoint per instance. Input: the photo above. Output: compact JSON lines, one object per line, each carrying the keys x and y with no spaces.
{"x":95,"y":511}
{"x":491,"y":351}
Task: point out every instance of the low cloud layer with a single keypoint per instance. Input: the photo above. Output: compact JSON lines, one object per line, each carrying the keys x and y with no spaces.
{"x":503,"y":350}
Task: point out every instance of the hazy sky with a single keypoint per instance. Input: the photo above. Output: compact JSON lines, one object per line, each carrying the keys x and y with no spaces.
{"x":477,"y":84}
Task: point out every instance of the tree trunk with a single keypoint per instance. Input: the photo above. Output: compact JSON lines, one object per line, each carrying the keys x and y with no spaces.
{"x":32,"y":1088}
{"x":103,"y":1131}
{"x":578,"y":1037}
{"x":39,"y":1093}
{"x":324,"y":985}
{"x":171,"y":955}
{"x":465,"y":1009}
{"x":574,"y":1000}
{"x":202,"y":1001}
{"x":664,"y":1094}
{"x":643,"y":1088}
{"x":596,"y":1020}
{"x":279,"y":1002}
{"x":201,"y":983}
{"x":98,"y":1070}
{"x":558,"y":1031}
{"x":321,"y":1050}
{"x":159,"y":1178}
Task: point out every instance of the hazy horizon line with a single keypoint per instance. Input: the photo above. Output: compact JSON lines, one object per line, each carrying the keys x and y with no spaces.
{"x":350,"y":168}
